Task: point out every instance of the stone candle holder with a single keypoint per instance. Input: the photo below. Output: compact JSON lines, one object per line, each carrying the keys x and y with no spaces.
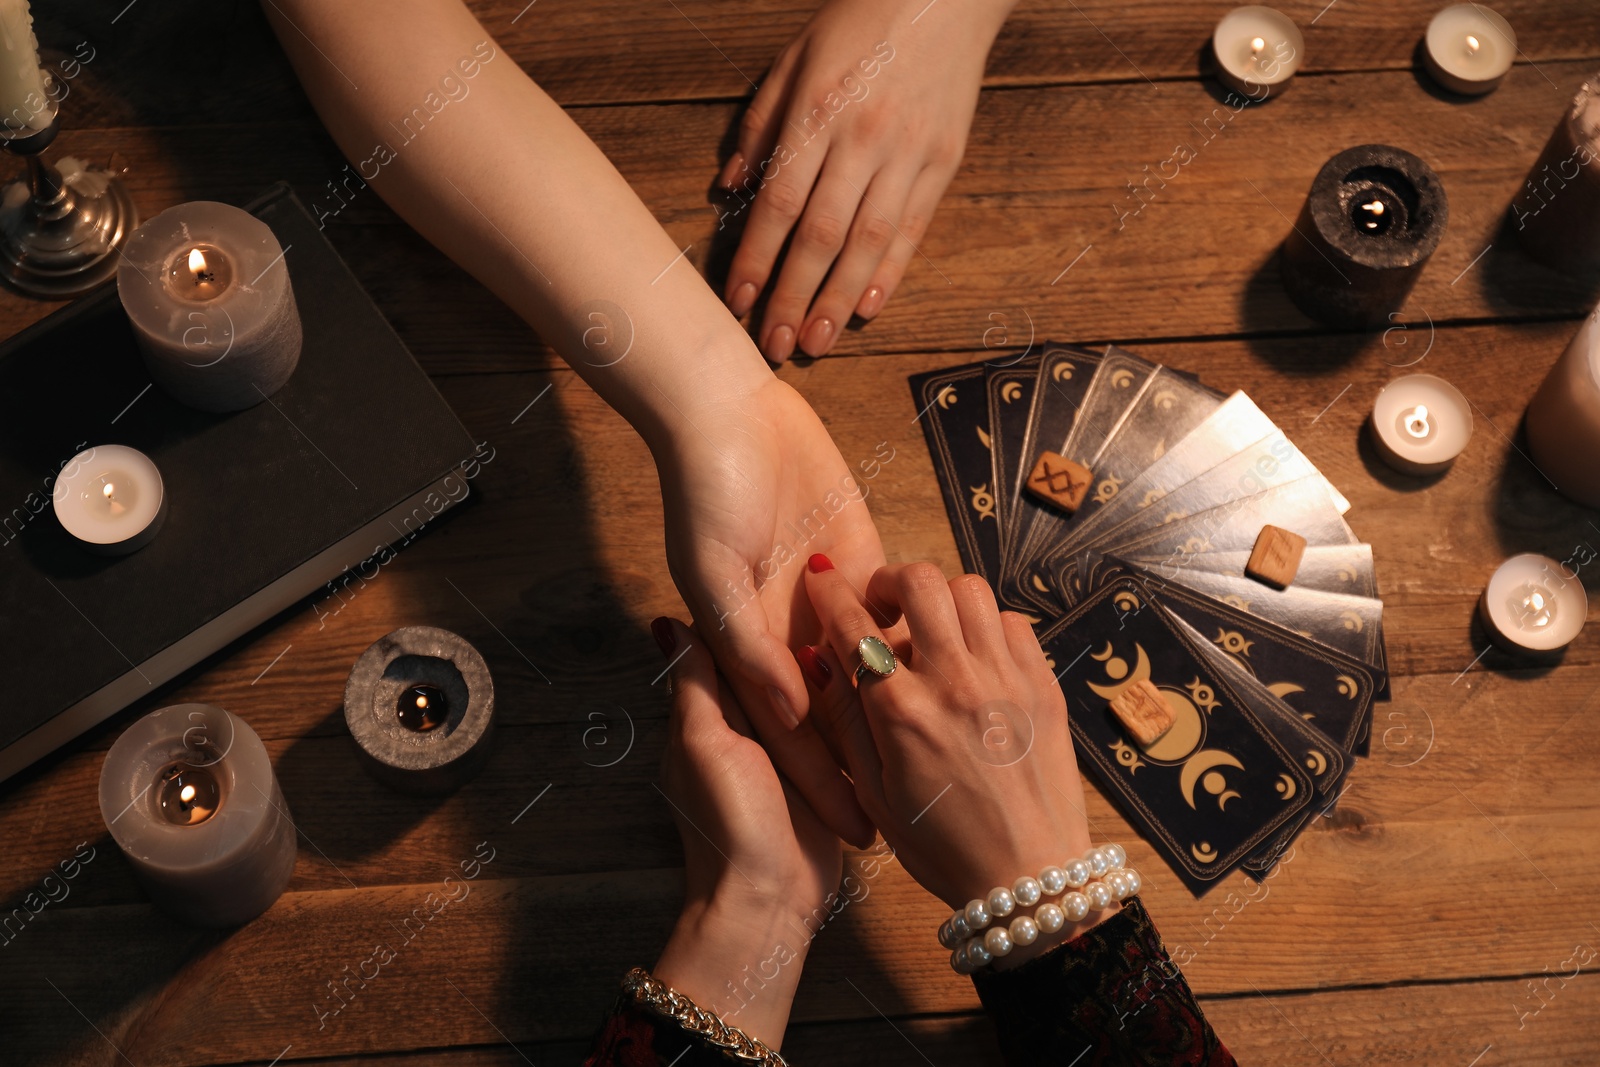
{"x":1373,"y":217}
{"x":420,"y":704}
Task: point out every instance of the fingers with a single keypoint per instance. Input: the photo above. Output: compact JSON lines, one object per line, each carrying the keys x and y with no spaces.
{"x":925,"y":194}
{"x":844,"y":620}
{"x":819,"y":236}
{"x":836,"y":710}
{"x":980,"y":617}
{"x":871,"y":235}
{"x":920,"y":593}
{"x":1024,"y":646}
{"x":777,"y":208}
{"x":701,"y":703}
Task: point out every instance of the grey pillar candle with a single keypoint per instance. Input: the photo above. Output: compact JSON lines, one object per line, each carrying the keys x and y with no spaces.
{"x":1556,"y":214}
{"x":1564,"y":418}
{"x":189,"y":796}
{"x":206,"y":288}
{"x":1373,"y":217}
{"x":420,"y":704}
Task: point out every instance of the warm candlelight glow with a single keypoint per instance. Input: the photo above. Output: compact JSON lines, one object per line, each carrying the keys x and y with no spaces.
{"x":197,"y":258}
{"x":1416,"y":423}
{"x":422,"y":708}
{"x":200,"y":274}
{"x":187,"y":795}
{"x":1472,"y":44}
{"x":1256,"y":45}
{"x":107,"y":490}
{"x":1533,"y":607}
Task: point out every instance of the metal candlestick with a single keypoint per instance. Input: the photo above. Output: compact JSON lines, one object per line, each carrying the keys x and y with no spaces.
{"x":60,"y":234}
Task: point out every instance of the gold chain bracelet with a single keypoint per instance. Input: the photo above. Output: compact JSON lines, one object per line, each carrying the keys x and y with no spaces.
{"x":665,"y":1001}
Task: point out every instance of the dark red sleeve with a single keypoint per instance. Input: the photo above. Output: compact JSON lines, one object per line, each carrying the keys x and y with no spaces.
{"x":1110,"y":996}
{"x":632,"y":1036}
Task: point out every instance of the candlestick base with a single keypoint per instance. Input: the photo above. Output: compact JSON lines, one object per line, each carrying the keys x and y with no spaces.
{"x":62,"y":233}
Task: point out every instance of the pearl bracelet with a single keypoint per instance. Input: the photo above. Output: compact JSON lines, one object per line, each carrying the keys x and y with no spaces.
{"x":1092,"y":883}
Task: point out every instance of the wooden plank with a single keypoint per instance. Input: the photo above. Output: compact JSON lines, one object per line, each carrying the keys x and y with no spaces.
{"x":1197,"y":261}
{"x":617,"y":51}
{"x":167,"y":996}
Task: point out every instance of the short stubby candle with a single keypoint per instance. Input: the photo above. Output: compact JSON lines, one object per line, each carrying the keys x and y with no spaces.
{"x":1258,"y":49}
{"x":1533,"y":605}
{"x":1469,"y":49}
{"x":1420,"y":424}
{"x":111,"y":499}
{"x":189,"y":796}
{"x":206,"y":287}
{"x":1564,"y":418}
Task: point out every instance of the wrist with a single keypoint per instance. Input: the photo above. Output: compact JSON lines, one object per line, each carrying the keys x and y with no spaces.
{"x":706,"y":383}
{"x":738,"y":954}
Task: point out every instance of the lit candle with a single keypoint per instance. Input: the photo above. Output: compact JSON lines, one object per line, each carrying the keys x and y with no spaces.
{"x":22,"y":88}
{"x":1532,"y":605}
{"x":1564,"y":418}
{"x":1556,"y":213}
{"x":206,"y":287}
{"x":1420,"y":424}
{"x":1374,"y":215}
{"x":111,"y":499}
{"x":1257,"y":48}
{"x":189,"y":796}
{"x":1469,"y":49}
{"x":419,"y":703}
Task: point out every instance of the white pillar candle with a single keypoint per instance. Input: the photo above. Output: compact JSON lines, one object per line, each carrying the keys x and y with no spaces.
{"x":111,"y":499}
{"x":189,"y":796}
{"x":1420,"y":424}
{"x":1532,"y":605}
{"x":1469,"y":48}
{"x":1258,"y":50}
{"x":1564,"y":418}
{"x":206,"y":287}
{"x":22,"y":89}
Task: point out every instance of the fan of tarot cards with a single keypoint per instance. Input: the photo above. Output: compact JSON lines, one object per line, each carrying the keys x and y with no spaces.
{"x":1217,"y":689}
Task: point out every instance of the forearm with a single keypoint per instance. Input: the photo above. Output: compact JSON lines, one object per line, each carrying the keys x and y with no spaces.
{"x":495,"y":174}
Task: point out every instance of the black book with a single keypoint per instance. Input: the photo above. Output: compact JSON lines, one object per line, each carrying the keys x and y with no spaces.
{"x":264,"y":506}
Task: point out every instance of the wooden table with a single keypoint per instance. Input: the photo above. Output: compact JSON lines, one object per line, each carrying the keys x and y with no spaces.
{"x":1438,"y":916}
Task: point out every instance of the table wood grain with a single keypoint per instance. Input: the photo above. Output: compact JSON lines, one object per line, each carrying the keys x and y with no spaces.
{"x":1445,"y":913}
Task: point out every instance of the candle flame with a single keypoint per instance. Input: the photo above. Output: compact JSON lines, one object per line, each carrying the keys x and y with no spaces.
{"x":1256,"y":45}
{"x":186,"y":794}
{"x":1417,"y":421}
{"x":1376,"y":207}
{"x":422,"y":701}
{"x":107,"y":489}
{"x":197,"y":262}
{"x":1472,"y":44}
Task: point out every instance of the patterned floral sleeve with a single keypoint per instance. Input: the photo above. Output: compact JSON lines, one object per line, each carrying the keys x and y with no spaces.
{"x":1108,"y":996}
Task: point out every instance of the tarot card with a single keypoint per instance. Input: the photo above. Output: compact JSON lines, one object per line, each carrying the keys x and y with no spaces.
{"x":1349,"y":624}
{"x":1344,"y":569}
{"x":1218,"y":784}
{"x":1163,"y":414}
{"x":1064,"y":375}
{"x":1334,"y":691}
{"x":1009,"y":389}
{"x":952,"y":408}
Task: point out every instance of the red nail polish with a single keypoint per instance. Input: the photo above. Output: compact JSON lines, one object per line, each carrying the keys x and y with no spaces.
{"x":815,"y":666}
{"x":661,"y":630}
{"x":819,"y":563}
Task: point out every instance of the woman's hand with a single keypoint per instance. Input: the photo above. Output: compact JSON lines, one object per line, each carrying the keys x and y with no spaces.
{"x":849,"y":144}
{"x":751,"y":488}
{"x":962,"y":755}
{"x":757,"y":861}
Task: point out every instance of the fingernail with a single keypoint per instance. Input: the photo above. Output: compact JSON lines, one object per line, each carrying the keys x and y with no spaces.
{"x":819,"y":335}
{"x":661,"y":630}
{"x":819,"y":563}
{"x":731,"y":171}
{"x":815,"y":666}
{"x":780,"y":344}
{"x":871,"y":302}
{"x":743,"y":299}
{"x":785,"y":709}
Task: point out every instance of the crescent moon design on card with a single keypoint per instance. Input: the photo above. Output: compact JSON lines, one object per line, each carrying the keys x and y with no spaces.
{"x":1199,"y":764}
